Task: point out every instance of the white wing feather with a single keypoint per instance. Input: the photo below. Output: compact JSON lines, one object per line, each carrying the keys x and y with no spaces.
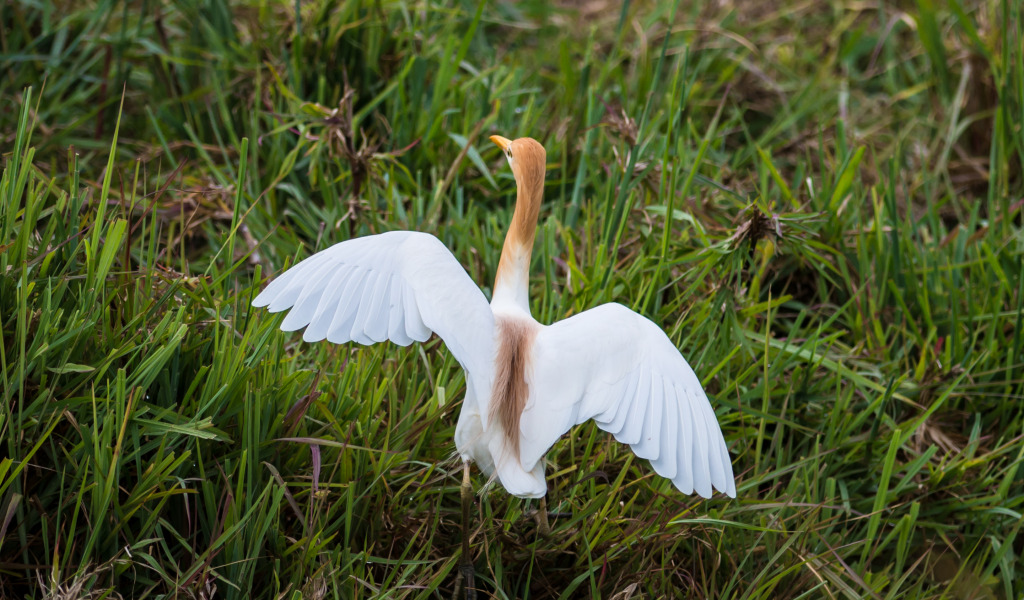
{"x":614,"y":366}
{"x":398,"y":286}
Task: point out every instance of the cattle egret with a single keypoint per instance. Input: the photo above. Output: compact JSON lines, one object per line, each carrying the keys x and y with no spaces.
{"x":527,"y":383}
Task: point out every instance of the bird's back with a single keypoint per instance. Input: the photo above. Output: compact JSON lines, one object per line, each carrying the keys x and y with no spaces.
{"x":511,"y":390}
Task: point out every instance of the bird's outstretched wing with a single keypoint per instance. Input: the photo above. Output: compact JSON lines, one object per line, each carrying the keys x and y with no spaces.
{"x":398,"y":286}
{"x":614,"y":366}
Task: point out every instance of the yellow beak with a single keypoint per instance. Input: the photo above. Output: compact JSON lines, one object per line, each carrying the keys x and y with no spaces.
{"x":502,"y":143}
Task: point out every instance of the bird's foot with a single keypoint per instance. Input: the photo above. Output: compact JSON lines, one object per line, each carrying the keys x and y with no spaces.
{"x":542,"y":520}
{"x":540,"y":517}
{"x":466,"y":580}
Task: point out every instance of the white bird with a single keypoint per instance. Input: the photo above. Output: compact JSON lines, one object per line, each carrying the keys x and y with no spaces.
{"x":527,"y":383}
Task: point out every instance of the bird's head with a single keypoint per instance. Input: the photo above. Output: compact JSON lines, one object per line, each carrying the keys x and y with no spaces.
{"x":526,"y":156}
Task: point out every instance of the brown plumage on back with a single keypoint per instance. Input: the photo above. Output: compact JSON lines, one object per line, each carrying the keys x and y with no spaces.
{"x":510,"y":389}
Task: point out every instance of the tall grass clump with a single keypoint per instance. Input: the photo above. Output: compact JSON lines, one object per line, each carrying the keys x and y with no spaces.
{"x":819,"y":203}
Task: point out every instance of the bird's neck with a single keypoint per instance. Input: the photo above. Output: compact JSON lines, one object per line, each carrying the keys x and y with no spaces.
{"x":512,"y":283}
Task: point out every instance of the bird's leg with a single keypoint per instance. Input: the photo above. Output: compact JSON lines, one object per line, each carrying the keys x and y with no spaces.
{"x":542,"y":518}
{"x":467,"y":503}
{"x":466,"y":572}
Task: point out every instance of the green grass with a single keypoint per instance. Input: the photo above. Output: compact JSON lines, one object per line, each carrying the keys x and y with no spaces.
{"x":819,"y":202}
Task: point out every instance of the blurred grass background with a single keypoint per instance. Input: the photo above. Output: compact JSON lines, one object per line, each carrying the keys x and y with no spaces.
{"x":820,"y":202}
